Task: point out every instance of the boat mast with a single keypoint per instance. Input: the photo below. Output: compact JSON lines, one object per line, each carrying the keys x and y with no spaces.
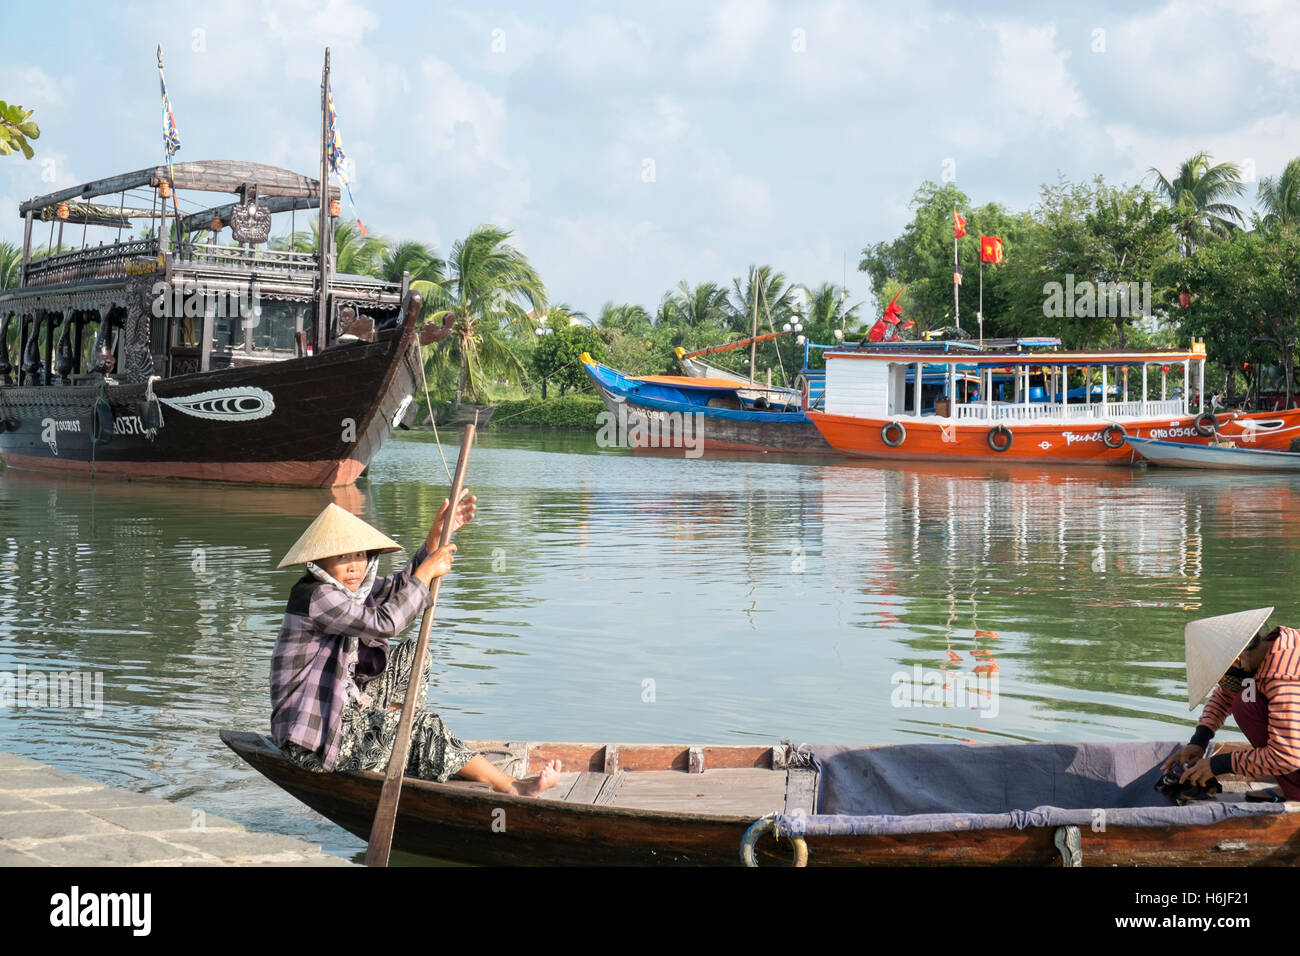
{"x":323,"y":235}
{"x":753,"y":343}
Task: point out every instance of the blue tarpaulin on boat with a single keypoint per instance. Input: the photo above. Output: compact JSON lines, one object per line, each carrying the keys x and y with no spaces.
{"x":932,"y":788}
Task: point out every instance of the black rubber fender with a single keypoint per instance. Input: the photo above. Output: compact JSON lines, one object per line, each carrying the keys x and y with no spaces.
{"x":994,"y":438}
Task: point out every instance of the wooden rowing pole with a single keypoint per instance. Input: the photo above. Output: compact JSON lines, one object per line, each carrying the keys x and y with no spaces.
{"x":381,"y":832}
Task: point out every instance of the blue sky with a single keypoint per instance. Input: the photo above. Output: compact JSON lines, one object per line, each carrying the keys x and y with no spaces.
{"x":631,"y":146}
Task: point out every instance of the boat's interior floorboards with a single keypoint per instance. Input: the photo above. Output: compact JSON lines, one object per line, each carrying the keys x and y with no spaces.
{"x":747,"y":791}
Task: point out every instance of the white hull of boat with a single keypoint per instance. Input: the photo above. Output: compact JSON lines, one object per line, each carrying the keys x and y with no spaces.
{"x":1216,"y":457}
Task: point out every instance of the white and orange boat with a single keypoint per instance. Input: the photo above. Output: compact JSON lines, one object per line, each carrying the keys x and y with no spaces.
{"x":882,"y":403}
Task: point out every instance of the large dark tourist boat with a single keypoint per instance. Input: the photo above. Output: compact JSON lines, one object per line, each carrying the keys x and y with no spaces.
{"x":173,"y":357}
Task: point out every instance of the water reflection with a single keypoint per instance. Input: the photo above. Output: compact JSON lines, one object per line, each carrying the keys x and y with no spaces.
{"x":603,"y":595}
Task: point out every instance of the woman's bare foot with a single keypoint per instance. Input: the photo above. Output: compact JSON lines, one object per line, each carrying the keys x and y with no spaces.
{"x":532,"y":786}
{"x":482,"y":770}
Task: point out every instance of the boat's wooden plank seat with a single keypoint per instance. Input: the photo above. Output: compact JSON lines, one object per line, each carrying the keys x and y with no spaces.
{"x":734,"y":790}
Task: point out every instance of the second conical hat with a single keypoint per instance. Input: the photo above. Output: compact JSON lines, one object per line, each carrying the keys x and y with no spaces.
{"x":336,"y":531}
{"x":1213,"y":643}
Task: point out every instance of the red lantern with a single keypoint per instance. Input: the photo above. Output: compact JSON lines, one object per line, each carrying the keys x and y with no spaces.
{"x":334,"y":207}
{"x":1184,"y":299}
{"x":217,"y":224}
{"x":63,"y":210}
{"x":1165,"y":369}
{"x":165,"y":189}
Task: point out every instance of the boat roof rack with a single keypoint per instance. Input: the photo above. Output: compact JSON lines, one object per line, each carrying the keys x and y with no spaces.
{"x":214,"y":175}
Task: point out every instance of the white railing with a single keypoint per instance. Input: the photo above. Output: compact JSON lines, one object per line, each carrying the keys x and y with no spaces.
{"x":1046,"y":411}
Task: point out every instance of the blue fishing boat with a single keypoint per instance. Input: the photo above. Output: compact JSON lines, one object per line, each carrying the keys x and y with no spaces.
{"x":701,"y":414}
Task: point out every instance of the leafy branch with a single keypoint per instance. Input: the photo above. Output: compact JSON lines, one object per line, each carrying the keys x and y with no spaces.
{"x":16,"y":127}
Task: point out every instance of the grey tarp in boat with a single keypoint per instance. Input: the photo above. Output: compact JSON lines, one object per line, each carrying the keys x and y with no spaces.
{"x":933,"y":788}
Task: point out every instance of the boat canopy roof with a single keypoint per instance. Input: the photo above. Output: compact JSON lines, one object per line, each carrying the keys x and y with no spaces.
{"x":1111,"y":358}
{"x":282,"y":188}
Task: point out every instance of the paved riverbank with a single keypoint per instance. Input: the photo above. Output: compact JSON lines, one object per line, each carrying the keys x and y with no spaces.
{"x":49,"y":817}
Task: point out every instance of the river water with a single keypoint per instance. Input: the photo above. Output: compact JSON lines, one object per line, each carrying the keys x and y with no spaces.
{"x":603,"y":595}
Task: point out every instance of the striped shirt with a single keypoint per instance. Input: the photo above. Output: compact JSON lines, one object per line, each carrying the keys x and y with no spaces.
{"x":322,"y":633}
{"x":1277,"y":681}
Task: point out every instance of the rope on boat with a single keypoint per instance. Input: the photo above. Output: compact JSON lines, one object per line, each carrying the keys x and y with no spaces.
{"x":429,"y":405}
{"x":152,"y":405}
{"x":761,"y":826}
{"x":1070,"y":844}
{"x":525,"y":411}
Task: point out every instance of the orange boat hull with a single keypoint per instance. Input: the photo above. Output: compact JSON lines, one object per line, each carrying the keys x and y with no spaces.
{"x":1046,"y":442}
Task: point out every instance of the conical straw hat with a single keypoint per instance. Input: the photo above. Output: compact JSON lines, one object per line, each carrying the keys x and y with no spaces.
{"x":1213,"y":643}
{"x":336,"y":531}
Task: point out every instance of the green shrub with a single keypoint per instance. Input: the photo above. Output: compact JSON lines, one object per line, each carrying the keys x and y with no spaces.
{"x":572,"y":411}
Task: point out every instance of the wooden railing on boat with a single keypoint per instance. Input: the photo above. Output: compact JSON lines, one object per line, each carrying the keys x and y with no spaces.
{"x":110,"y":261}
{"x":215,"y":254}
{"x":96,"y":262}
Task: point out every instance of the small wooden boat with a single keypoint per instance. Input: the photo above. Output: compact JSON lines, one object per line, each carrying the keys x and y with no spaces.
{"x":1220,"y":457}
{"x":655,"y":804}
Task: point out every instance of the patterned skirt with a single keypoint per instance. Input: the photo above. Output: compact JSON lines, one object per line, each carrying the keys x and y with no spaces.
{"x":368,"y":733}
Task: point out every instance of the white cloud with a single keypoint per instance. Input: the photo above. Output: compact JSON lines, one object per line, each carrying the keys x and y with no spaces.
{"x":1031,"y":80}
{"x":858,"y":48}
{"x":1265,"y":145}
{"x":590,"y":260}
{"x":735,"y":28}
{"x":603,"y":46}
{"x":30,"y":85}
{"x":462,"y":128}
{"x":1275,"y":30}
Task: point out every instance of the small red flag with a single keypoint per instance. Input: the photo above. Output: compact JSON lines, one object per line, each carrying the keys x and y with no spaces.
{"x":958,"y":224}
{"x":893,"y":315}
{"x":990,"y":249}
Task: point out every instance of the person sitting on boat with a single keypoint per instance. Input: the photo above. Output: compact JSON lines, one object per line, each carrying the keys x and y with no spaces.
{"x":1256,"y":679}
{"x":337,"y":687}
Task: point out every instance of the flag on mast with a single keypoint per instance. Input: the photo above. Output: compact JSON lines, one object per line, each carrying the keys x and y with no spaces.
{"x":338,"y":158}
{"x":171,"y":135}
{"x":958,"y":224}
{"x":990,"y":249}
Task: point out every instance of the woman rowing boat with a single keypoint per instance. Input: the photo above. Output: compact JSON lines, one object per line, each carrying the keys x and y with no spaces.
{"x":336,"y":685}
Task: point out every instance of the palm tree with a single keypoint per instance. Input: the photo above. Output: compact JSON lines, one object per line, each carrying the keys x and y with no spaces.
{"x":491,"y":290}
{"x":825,"y":307}
{"x":1197,"y":196}
{"x":11,"y":264}
{"x":354,"y":254}
{"x":704,"y":305}
{"x":777,"y":300}
{"x":624,"y":318}
{"x":1280,"y":197}
{"x":419,"y":260}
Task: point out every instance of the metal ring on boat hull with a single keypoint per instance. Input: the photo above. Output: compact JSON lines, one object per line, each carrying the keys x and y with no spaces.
{"x":993,"y":441}
{"x":888,"y":428}
{"x":1110,"y":429}
{"x":756,"y":830}
{"x":1205,"y":424}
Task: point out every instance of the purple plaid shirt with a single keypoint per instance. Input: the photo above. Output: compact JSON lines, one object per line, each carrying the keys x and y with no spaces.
{"x":309,"y":676}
